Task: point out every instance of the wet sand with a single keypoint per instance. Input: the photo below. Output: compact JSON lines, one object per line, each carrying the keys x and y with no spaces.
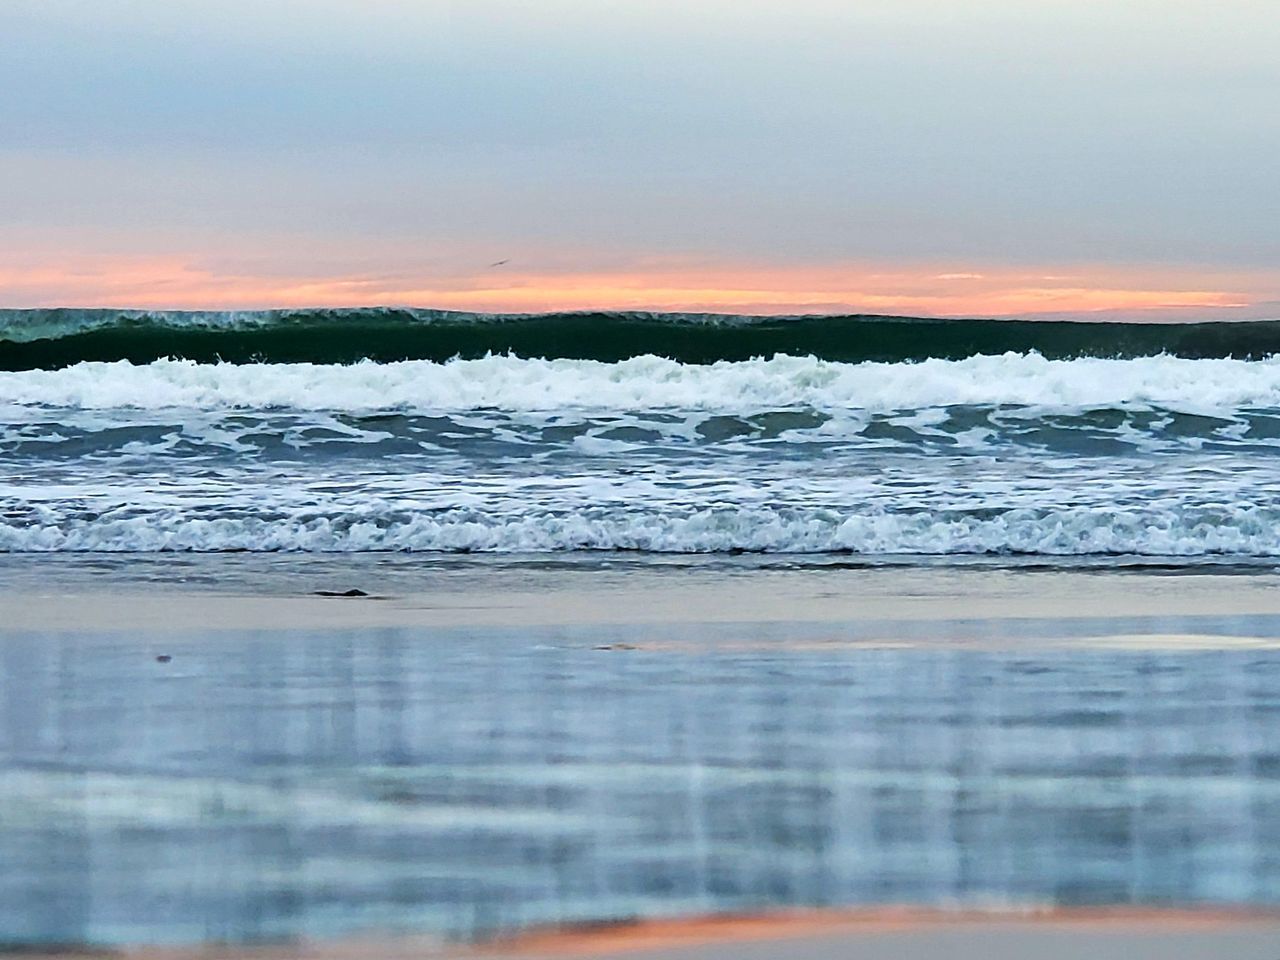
{"x":281,"y":593}
{"x":324,"y":709}
{"x":891,"y":933}
{"x":902,"y":933}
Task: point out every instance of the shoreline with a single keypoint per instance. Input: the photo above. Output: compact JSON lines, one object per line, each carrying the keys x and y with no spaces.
{"x":228,"y":593}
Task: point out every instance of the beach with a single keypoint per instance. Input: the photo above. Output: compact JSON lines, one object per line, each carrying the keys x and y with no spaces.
{"x":891,"y":934}
{"x":981,"y":758}
{"x":140,"y":592}
{"x":654,"y":480}
{"x":902,"y":933}
{"x":677,"y":651}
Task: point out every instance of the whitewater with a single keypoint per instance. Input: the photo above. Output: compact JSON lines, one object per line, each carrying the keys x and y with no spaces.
{"x":650,"y":382}
{"x":1012,"y":455}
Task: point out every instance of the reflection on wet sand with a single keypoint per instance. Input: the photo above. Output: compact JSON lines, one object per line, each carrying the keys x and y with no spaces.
{"x":271,"y":785}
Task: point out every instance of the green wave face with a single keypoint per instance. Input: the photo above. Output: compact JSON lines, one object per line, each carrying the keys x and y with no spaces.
{"x":35,"y":339}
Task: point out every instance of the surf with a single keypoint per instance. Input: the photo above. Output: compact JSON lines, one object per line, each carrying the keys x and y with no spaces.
{"x":52,"y":338}
{"x":648,"y":382}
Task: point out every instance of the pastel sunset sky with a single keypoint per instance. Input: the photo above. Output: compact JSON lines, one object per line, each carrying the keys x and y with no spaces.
{"x":987,"y":157}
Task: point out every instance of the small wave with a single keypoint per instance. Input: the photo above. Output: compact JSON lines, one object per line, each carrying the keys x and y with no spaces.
{"x":653,"y":383}
{"x":1240,"y":531}
{"x":34,"y":339}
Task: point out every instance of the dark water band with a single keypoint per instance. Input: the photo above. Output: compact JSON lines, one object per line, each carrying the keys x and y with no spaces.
{"x":32,"y":339}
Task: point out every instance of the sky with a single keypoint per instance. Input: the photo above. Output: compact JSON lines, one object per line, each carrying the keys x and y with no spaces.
{"x":938,"y":157}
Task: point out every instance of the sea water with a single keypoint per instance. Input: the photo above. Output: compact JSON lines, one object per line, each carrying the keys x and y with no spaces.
{"x":1090,"y":450}
{"x":279,"y":784}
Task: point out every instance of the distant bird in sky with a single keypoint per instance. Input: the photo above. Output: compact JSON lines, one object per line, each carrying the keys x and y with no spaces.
{"x":499,"y":263}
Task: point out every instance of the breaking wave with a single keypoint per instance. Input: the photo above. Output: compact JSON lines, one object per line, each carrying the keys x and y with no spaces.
{"x":1204,"y":531}
{"x":1018,"y":454}
{"x":45,"y":338}
{"x":649,"y":382}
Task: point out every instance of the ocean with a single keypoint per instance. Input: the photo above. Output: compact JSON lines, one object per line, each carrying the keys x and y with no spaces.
{"x":429,"y":432}
{"x":351,"y":624}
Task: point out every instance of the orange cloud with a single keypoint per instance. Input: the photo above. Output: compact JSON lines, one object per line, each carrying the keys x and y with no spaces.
{"x":175,"y":282}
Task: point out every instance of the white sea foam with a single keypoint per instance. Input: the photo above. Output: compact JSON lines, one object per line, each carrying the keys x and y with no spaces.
{"x":513,"y":384}
{"x":1240,"y":530}
{"x":512,"y":455}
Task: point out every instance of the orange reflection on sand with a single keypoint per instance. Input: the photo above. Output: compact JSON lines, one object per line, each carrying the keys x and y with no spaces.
{"x":798,"y":925}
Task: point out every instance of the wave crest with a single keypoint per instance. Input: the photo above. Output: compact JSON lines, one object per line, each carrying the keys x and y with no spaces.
{"x":653,"y":383}
{"x":32,"y":339}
